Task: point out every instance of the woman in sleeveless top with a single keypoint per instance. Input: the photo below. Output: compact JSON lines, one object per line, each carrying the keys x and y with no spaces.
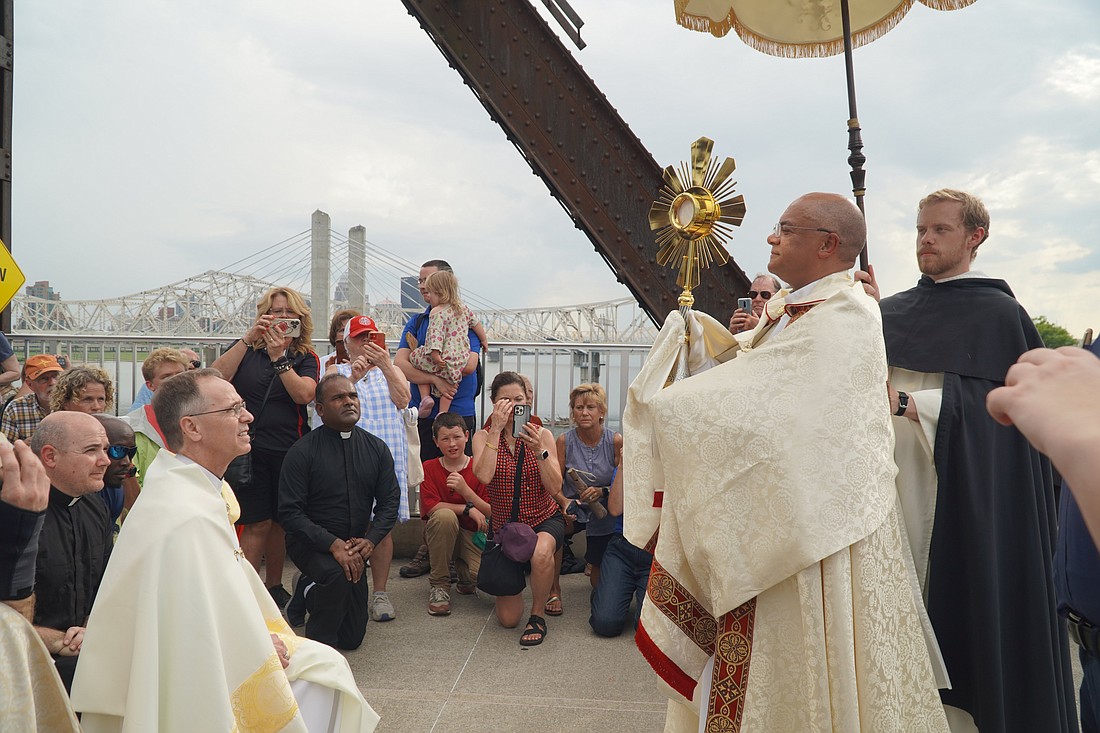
{"x":595,"y":452}
{"x":495,"y":465}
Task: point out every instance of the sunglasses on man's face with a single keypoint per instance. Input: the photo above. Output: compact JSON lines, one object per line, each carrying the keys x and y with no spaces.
{"x":116,"y":452}
{"x":765,"y":294}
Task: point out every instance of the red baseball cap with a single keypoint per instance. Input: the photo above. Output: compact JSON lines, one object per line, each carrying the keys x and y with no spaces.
{"x":359,"y":325}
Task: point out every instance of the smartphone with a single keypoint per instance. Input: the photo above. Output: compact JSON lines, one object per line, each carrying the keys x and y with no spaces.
{"x":379,"y":339}
{"x":745,"y":304}
{"x":291,"y":327}
{"x":341,"y":352}
{"x":521,"y":415}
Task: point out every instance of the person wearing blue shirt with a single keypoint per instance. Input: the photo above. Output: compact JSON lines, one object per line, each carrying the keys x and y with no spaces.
{"x":462,"y":402}
{"x":1077,"y":585}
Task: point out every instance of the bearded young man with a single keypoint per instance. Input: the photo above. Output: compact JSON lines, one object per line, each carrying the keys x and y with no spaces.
{"x":977,"y":499}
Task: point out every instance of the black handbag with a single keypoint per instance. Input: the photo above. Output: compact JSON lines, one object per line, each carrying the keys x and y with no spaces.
{"x":238,"y":474}
{"x":499,"y":575}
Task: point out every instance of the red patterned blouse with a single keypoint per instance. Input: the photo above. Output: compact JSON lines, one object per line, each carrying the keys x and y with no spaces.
{"x":535,"y":505}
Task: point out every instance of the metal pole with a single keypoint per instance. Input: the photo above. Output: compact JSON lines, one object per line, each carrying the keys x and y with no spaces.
{"x":856,"y":159}
{"x":7,"y":36}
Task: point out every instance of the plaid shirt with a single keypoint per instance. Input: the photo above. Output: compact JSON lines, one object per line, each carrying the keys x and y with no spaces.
{"x":21,"y":418}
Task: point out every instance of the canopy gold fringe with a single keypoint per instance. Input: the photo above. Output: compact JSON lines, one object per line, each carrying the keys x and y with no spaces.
{"x":815,"y":49}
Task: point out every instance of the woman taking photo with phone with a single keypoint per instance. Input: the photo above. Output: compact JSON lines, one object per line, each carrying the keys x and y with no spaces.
{"x":274,"y":369}
{"x":511,"y":458}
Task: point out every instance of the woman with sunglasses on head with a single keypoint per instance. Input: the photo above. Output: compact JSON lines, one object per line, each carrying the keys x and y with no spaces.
{"x":275,"y":371}
{"x":763,"y":287}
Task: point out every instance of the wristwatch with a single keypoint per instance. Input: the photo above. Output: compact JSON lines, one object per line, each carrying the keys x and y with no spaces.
{"x":903,"y":403}
{"x":544,"y":455}
{"x":466,"y":511}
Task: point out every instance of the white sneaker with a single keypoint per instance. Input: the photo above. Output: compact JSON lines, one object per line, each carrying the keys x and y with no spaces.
{"x":439,"y":601}
{"x":381,"y":608}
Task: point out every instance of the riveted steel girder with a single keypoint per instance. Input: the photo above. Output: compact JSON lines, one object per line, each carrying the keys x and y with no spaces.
{"x":571,"y":136}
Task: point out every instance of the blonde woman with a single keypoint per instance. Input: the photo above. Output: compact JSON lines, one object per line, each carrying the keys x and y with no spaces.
{"x":595,"y":452}
{"x":274,"y":369}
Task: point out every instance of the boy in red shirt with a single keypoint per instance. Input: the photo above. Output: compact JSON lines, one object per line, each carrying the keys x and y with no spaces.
{"x":456,"y":505}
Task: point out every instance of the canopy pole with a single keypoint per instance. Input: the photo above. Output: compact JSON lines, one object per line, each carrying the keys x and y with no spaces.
{"x":856,"y":158}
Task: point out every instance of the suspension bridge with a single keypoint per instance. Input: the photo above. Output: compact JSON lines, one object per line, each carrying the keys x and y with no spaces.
{"x":333,"y":271}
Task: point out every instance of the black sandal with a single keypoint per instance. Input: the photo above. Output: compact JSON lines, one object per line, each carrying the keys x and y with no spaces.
{"x":535,"y":625}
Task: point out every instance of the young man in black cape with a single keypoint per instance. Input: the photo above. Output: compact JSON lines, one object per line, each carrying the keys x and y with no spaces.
{"x":978,"y":500}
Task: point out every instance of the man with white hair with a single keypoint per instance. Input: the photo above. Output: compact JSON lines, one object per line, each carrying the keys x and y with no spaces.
{"x":763,"y":287}
{"x":184,"y":636}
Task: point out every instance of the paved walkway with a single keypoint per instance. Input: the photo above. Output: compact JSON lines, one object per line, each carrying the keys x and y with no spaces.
{"x":463,"y":672}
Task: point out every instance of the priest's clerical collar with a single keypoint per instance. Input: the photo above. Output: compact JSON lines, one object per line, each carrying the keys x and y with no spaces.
{"x":346,"y":435}
{"x":969,"y":273}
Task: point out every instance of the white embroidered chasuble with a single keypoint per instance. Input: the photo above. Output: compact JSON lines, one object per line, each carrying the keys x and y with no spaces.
{"x":32,"y":697}
{"x":780,"y":553}
{"x":179,"y":636}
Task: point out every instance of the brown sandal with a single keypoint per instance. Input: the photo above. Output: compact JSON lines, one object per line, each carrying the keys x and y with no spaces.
{"x":553,"y":611}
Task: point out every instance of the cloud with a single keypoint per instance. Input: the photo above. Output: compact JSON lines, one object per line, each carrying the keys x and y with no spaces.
{"x":1077,"y":74}
{"x":155,"y":140}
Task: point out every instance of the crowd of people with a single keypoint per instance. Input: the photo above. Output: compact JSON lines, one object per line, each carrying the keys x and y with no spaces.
{"x":885,"y":552}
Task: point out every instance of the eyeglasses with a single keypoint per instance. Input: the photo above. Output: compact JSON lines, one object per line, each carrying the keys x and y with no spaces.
{"x":236,"y":408}
{"x":116,"y":452}
{"x":781,"y":229}
{"x":764,"y":294}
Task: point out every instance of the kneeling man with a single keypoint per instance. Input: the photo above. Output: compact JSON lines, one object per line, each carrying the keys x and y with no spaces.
{"x":183,"y":635}
{"x":332,"y":479}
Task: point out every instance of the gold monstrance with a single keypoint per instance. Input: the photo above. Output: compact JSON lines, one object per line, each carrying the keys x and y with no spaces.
{"x":693,"y":222}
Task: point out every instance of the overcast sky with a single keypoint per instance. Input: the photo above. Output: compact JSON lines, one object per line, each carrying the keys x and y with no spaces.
{"x":155,"y":139}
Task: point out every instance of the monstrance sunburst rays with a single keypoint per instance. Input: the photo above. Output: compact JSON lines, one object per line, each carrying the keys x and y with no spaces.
{"x":694,"y":216}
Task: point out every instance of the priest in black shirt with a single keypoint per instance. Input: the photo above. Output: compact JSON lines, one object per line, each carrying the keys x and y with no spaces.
{"x":76,"y":538}
{"x":332,"y":480}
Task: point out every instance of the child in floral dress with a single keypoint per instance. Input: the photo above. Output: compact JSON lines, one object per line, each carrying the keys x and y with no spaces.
{"x":446,"y":346}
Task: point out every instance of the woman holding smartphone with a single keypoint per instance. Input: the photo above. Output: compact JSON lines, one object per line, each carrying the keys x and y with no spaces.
{"x":501,"y":450}
{"x":274,"y":369}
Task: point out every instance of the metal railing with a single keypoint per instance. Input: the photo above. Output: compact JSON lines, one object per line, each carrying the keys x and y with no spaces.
{"x":554,"y":368}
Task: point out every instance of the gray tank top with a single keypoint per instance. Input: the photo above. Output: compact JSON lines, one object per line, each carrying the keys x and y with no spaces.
{"x":597,"y":468}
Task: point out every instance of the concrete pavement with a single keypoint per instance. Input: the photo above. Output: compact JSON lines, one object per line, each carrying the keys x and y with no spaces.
{"x":464,"y":672}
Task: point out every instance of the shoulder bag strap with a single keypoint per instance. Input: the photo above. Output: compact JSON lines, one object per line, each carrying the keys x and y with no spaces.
{"x":519,"y":479}
{"x":256,"y":415}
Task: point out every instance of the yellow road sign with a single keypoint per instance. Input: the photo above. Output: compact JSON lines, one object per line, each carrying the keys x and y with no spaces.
{"x":11,"y":277}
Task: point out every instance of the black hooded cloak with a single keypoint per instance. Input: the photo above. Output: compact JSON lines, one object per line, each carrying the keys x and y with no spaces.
{"x":990,"y":589}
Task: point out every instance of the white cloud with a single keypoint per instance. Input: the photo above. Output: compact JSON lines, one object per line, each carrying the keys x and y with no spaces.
{"x":179,"y":138}
{"x":1077,"y":73}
